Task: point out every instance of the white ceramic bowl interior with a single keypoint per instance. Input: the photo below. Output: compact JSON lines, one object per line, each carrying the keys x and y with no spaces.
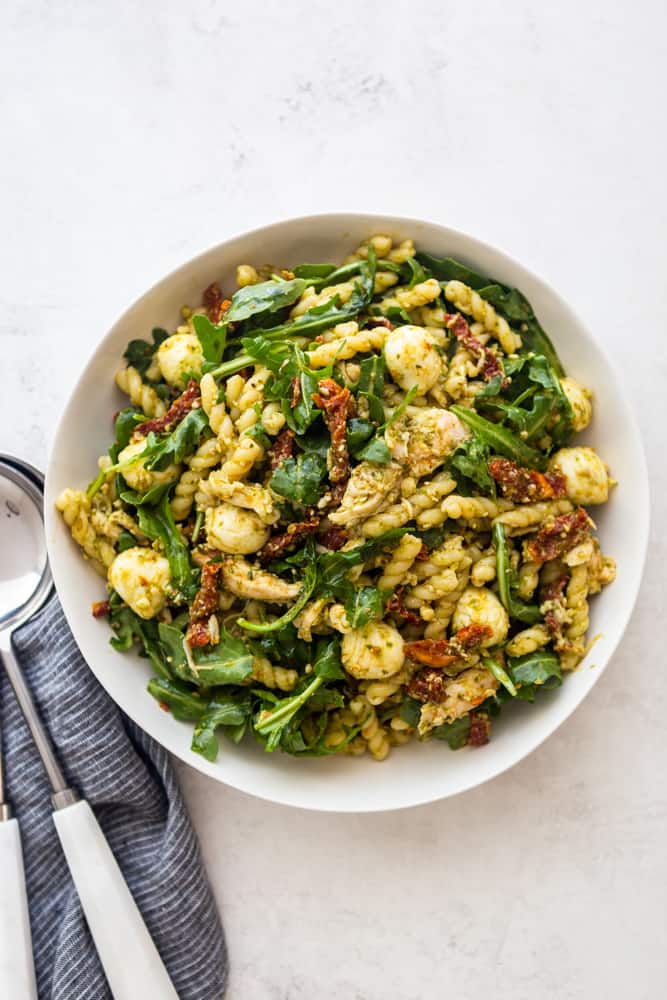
{"x":416,"y":773}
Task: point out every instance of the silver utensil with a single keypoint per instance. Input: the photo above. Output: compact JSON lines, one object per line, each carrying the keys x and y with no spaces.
{"x":130,"y":959}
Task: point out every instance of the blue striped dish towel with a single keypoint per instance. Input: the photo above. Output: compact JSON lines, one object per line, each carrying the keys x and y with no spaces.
{"x":129,"y":782}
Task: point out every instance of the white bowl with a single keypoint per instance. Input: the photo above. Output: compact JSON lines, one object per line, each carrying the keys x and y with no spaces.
{"x":416,"y":773}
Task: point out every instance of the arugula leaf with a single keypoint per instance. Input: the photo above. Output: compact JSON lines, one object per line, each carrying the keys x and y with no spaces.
{"x":300,"y":479}
{"x":414,"y":272}
{"x":185,"y":704}
{"x":151,"y":496}
{"x":515,"y":607}
{"x":448,"y":269}
{"x":284,"y":646}
{"x":375,"y":451}
{"x":125,"y":541}
{"x":371,"y":385}
{"x":533,"y":671}
{"x":330,"y":313}
{"x":129,"y":629}
{"x":171,"y":641}
{"x":139,"y":353}
{"x":364,"y":604}
{"x":498,"y":438}
{"x":470,"y":461}
{"x":271,"y":721}
{"x":410,"y":711}
{"x":433,"y":537}
{"x":454,"y":733}
{"x":228,"y":662}
{"x":212,"y":337}
{"x":314,"y":271}
{"x":327,"y":663}
{"x":170,"y":449}
{"x":499,"y":673}
{"x":265,"y":297}
{"x":124,"y":426}
{"x":288,"y":362}
{"x":358,"y":433}
{"x":159,"y":525}
{"x":229,"y":712}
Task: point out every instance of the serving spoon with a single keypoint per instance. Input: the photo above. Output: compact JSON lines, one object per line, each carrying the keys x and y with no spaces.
{"x":131,"y":962}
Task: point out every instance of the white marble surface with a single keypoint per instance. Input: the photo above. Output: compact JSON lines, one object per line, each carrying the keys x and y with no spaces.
{"x":134,"y":135}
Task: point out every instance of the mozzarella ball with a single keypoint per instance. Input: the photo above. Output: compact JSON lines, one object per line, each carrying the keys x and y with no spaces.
{"x":138,"y":477}
{"x":235,"y":530}
{"x":586,"y":478}
{"x":140,"y":576}
{"x":179,"y":355}
{"x":579,"y":398}
{"x":479,"y":606}
{"x":412,"y":358}
{"x":372,"y":652}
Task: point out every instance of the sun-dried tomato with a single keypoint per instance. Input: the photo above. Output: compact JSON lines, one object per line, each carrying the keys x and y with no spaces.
{"x":100,"y":609}
{"x":333,"y":538}
{"x":188,"y":400}
{"x":480,"y":729}
{"x":204,"y":604}
{"x":526,"y":485}
{"x":396,"y":606}
{"x":441,"y":653}
{"x":559,"y":536}
{"x":281,"y":448}
{"x":428,"y":685}
{"x":214,"y":302}
{"x":338,"y":405}
{"x":288,"y":539}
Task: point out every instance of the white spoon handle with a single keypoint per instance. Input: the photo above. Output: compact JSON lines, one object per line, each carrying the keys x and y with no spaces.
{"x":17,"y":971}
{"x":129,"y":957}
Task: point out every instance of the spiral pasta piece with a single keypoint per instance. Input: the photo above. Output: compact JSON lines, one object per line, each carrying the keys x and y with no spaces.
{"x":371,"y":729}
{"x":528,"y":515}
{"x":445,"y":607}
{"x":219,"y":420}
{"x":427,"y":496}
{"x":576,"y":603}
{"x":142,"y":395}
{"x":346,"y":347}
{"x":468,"y":301}
{"x":265,"y":673}
{"x":528,"y":641}
{"x":204,"y":459}
{"x":401,"y":560}
{"x":75,"y":507}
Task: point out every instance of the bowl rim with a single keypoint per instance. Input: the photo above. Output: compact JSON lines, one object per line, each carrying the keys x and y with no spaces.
{"x":374,"y":219}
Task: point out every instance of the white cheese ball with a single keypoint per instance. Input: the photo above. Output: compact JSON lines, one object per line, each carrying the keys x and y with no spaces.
{"x":140,"y":576}
{"x":586,"y":478}
{"x":235,"y":530}
{"x":138,"y":477}
{"x":179,"y":355}
{"x":579,"y":398}
{"x":412,"y":358}
{"x":373,"y":652}
{"x":479,"y":606}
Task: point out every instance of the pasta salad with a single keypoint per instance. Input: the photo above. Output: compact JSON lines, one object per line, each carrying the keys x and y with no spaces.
{"x":343,"y":509}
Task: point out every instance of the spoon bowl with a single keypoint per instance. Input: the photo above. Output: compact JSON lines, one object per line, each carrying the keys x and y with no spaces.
{"x":25,"y":577}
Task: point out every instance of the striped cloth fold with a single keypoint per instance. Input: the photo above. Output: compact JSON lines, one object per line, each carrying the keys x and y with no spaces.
{"x":129,"y":782}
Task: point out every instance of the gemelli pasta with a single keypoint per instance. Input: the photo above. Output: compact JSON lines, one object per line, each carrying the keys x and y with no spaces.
{"x":343,"y":510}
